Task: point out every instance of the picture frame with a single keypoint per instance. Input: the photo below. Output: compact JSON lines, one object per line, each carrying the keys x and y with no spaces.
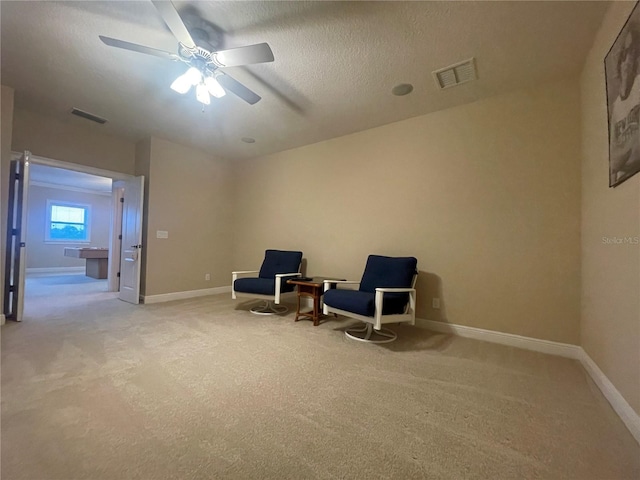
{"x":622,"y":77}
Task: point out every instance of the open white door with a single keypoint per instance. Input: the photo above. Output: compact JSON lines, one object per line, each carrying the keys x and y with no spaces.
{"x":131,"y":240}
{"x":13,"y":305}
{"x":115,"y":235}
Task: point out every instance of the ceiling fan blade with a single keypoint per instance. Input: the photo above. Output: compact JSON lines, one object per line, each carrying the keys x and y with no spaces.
{"x":170,"y":16}
{"x":233,"y":57}
{"x":114,"y":42}
{"x":234,"y":86}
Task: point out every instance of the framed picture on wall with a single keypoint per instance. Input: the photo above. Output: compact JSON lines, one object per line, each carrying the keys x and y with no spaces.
{"x":622,"y":75}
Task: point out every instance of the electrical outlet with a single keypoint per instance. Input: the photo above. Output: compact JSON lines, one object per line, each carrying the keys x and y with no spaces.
{"x":435,"y":302}
{"x":207,"y":276}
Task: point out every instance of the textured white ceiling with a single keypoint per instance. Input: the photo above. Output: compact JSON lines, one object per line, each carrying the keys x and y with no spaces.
{"x":335,"y":64}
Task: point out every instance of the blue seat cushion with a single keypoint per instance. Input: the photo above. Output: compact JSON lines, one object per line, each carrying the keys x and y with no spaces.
{"x":279,"y":261}
{"x":364,"y":303}
{"x":261,"y":286}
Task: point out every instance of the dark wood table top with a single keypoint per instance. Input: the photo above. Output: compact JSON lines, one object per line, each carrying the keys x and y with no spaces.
{"x":314,"y":281}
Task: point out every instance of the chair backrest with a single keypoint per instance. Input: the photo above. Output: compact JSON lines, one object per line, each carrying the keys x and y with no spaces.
{"x":279,"y":261}
{"x":388,"y":272}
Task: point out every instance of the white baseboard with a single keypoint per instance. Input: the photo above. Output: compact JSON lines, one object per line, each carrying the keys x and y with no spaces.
{"x":528,"y":343}
{"x":168,"y":297}
{"x":628,"y":416}
{"x":56,"y":270}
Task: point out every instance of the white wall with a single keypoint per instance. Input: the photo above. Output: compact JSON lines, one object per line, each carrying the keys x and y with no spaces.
{"x":74,"y":141}
{"x":42,"y":254}
{"x":190,"y":197}
{"x":610,"y":326}
{"x":485,"y":195}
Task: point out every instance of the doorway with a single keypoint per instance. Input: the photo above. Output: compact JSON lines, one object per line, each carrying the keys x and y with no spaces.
{"x":69,"y":214}
{"x":72,"y":233}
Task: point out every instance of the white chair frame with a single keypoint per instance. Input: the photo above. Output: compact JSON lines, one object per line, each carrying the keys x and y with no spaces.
{"x":378,"y":319}
{"x":268,"y":308}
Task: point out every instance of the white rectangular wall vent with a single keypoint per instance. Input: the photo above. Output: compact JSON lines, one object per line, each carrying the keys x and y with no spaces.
{"x":456,"y":74}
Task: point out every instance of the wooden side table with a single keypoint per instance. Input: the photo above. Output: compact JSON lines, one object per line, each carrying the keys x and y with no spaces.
{"x":311,"y":288}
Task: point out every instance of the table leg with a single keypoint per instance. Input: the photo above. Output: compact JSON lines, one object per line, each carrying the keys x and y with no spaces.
{"x":316,"y":309}
{"x":298,"y":312}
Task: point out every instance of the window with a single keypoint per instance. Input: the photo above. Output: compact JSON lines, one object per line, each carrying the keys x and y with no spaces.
{"x":67,"y":222}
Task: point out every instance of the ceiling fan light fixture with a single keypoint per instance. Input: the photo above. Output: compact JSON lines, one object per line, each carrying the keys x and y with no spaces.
{"x":182,"y":84}
{"x":194,"y":76}
{"x":202,"y":94}
{"x":214,"y":88}
{"x":202,"y":61}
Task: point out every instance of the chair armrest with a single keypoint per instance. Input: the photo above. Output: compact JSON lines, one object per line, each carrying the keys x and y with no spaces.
{"x":244,"y":272}
{"x":328,"y":283}
{"x":282,"y":275}
{"x":241,"y":273}
{"x":395,"y":290}
{"x":234,"y":277}
{"x":410,"y":309}
{"x":279,"y":278}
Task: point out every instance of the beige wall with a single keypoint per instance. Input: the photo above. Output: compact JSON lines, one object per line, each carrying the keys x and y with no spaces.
{"x":486,"y":196}
{"x":6,"y":132}
{"x":189,"y":196}
{"x":74,"y":141}
{"x":44,"y":254}
{"x":610,"y":327}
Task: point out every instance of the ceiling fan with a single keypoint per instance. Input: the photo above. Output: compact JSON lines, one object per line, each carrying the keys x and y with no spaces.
{"x":204,"y":64}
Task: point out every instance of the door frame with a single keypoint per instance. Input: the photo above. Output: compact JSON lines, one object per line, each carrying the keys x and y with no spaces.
{"x":16,"y":234}
{"x":114,"y":266}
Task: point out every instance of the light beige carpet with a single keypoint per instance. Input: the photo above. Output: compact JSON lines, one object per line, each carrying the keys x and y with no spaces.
{"x":94,"y":388}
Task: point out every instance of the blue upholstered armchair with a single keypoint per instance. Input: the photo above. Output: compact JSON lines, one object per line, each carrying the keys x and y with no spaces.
{"x":271,"y":283}
{"x":386,"y":294}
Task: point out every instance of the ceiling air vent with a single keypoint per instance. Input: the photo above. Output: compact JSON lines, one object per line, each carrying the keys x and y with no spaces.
{"x":88,"y":116}
{"x":456,"y":74}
